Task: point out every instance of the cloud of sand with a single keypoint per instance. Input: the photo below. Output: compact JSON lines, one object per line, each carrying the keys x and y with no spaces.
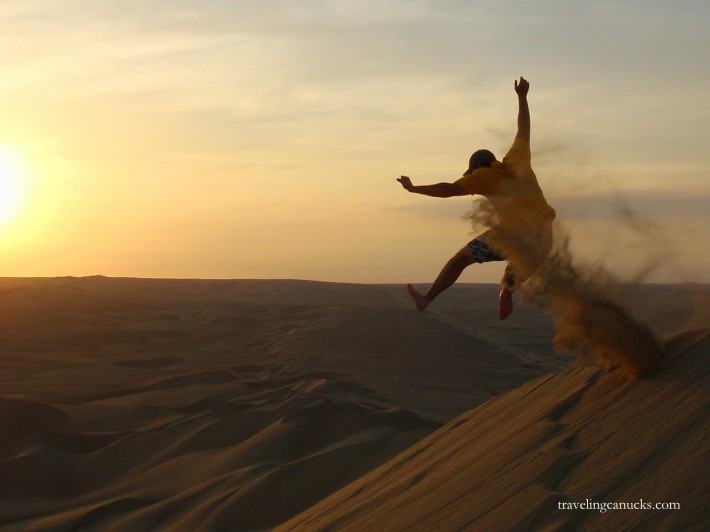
{"x":590,"y":318}
{"x":585,"y":302}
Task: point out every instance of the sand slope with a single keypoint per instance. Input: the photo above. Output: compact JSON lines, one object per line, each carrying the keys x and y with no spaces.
{"x":572,"y":435}
{"x":136,"y":404}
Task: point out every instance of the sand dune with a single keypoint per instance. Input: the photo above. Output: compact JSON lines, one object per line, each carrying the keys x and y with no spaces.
{"x":134,"y":404}
{"x":574,"y":435}
{"x":138,"y":404}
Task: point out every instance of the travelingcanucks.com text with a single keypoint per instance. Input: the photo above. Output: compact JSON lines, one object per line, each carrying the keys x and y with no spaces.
{"x":589,"y":504}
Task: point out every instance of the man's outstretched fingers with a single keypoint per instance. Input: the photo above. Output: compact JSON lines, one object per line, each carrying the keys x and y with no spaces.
{"x":406,"y":182}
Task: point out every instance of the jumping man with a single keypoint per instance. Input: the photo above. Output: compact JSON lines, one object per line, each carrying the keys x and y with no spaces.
{"x":522,"y":211}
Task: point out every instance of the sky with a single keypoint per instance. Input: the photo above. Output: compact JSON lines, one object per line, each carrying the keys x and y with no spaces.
{"x":262,"y":139}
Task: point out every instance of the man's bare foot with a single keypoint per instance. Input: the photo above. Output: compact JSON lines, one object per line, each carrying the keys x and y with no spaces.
{"x":420,"y":300}
{"x":505,"y":303}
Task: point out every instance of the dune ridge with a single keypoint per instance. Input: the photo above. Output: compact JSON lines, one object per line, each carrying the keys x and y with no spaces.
{"x":574,"y":435}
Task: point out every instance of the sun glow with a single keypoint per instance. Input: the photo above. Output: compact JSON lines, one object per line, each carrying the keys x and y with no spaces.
{"x":13,"y":180}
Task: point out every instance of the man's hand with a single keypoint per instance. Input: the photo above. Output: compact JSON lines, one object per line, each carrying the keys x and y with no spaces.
{"x":521,"y":87}
{"x":406,"y":183}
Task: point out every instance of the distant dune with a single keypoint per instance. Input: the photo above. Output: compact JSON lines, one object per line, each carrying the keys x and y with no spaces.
{"x":135,"y":404}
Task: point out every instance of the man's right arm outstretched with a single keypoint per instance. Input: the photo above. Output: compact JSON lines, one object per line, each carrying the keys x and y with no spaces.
{"x":439,"y":190}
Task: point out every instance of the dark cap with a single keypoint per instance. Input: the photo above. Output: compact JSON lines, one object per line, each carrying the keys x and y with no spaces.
{"x":480,"y":158}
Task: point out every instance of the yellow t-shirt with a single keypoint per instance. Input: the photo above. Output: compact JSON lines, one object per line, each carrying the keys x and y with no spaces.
{"x":511,"y":187}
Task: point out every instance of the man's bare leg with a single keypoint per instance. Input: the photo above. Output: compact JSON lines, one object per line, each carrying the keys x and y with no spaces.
{"x":505,"y":302}
{"x":450,"y":272}
{"x":505,"y":296}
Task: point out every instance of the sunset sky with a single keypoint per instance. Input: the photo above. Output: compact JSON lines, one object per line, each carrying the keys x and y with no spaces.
{"x":262,"y":139}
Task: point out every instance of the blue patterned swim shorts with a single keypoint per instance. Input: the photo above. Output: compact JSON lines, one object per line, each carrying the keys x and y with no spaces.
{"x":482,"y":252}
